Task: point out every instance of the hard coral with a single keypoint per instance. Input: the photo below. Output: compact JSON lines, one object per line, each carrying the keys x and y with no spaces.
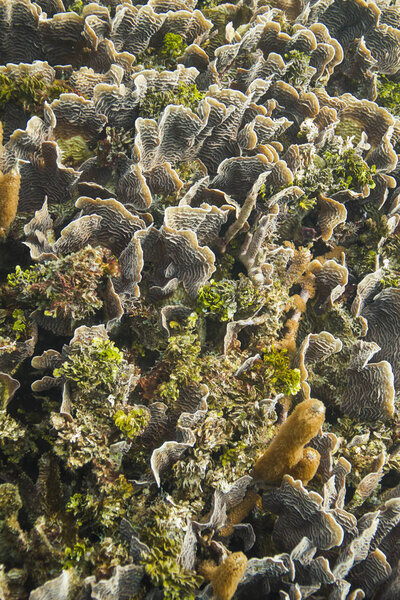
{"x":287,"y":450}
{"x":162,"y":143}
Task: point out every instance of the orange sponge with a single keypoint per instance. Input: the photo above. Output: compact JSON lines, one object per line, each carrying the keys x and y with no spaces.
{"x":9,"y":193}
{"x":226,"y":577}
{"x":307,"y":466}
{"x":240,"y":511}
{"x":286,"y":449}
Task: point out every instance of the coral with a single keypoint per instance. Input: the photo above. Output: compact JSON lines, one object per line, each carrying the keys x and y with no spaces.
{"x":363,"y":445}
{"x":109,"y":147}
{"x":199,"y":211}
{"x":287,"y":448}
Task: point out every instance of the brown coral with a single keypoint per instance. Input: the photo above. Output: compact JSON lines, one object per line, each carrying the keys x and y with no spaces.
{"x":287,"y":449}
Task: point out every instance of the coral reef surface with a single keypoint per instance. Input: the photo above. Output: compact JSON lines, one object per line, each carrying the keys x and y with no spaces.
{"x":200,"y":300}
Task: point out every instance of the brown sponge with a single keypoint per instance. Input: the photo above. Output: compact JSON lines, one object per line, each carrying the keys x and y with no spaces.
{"x":226,"y":576}
{"x":287,"y":448}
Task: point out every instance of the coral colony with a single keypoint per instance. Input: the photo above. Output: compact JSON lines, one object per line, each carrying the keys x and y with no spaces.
{"x":200,"y":300}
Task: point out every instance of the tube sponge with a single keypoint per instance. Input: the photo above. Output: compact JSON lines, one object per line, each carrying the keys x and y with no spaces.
{"x":240,"y":511}
{"x":225,"y":578}
{"x":307,"y":466}
{"x":287,"y":449}
{"x":9,"y":193}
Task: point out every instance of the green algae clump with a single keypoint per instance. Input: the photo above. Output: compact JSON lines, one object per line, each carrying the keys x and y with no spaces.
{"x":97,"y":367}
{"x":218,"y":298}
{"x":154,"y":102}
{"x":74,"y":150}
{"x":388,"y":94}
{"x":283,"y":379}
{"x":68,"y":286}
{"x":133,"y":423}
{"x":30,"y":92}
{"x":173,"y":47}
{"x":223,"y":299}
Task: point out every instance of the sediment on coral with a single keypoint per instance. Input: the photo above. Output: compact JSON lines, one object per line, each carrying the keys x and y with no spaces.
{"x":199,"y":284}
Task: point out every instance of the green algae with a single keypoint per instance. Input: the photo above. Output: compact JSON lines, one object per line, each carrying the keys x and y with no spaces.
{"x":155,"y":102}
{"x":62,"y":287}
{"x":30,"y":92}
{"x":97,"y":368}
{"x":132,"y":424}
{"x":388,"y":94}
{"x":283,"y":379}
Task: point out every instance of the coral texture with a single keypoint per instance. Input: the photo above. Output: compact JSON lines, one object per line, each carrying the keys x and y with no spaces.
{"x":199,"y":300}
